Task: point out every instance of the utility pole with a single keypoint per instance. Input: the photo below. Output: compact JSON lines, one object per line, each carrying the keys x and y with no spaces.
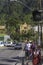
{"x":40,"y":26}
{"x":38,"y":18}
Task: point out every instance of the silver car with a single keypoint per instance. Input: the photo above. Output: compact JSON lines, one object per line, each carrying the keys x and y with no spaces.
{"x":8,"y":44}
{"x":13,"y":44}
{"x":18,"y":46}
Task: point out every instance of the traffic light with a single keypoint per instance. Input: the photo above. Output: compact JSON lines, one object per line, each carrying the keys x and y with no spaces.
{"x":36,"y":15}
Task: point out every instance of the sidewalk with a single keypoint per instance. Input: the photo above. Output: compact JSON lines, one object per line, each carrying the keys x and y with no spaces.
{"x":41,"y":52}
{"x":30,"y":63}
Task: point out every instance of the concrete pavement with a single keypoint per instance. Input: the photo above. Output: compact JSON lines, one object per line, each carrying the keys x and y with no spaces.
{"x":7,"y":56}
{"x":30,"y":62}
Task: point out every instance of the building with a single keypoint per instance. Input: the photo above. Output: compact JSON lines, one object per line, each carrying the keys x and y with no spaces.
{"x":36,"y":28}
{"x":2,"y":29}
{"x":24,"y":28}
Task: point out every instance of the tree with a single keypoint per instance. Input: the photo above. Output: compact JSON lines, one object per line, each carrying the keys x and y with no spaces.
{"x":13,"y":14}
{"x":27,"y":18}
{"x":3,"y":19}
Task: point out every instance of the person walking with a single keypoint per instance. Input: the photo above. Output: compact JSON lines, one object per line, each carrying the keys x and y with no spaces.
{"x":39,"y":56}
{"x":27,"y":49}
{"x":36,"y":57}
{"x":33,"y":46}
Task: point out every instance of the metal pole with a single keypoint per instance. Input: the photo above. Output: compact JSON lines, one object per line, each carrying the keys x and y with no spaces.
{"x":22,"y":60}
{"x":41,"y":33}
{"x":40,"y":26}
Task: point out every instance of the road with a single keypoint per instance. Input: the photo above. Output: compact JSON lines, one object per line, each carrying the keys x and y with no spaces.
{"x":9,"y":56}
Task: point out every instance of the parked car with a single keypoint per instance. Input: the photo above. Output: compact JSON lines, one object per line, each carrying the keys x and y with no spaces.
{"x":18,"y":46}
{"x":1,"y":43}
{"x":13,"y":44}
{"x":8,"y":44}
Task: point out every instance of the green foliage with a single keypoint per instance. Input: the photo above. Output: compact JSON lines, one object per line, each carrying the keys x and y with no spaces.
{"x":13,"y":14}
{"x":27,"y":18}
{"x":2,"y":19}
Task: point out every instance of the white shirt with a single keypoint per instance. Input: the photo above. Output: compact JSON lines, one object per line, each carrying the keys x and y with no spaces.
{"x":28,"y":46}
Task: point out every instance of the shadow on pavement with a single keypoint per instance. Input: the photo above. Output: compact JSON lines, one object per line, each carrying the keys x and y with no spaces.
{"x":9,"y":60}
{"x":11,"y":48}
{"x":42,"y":60}
{"x":15,"y":59}
{"x":4,"y":64}
{"x":19,"y":58}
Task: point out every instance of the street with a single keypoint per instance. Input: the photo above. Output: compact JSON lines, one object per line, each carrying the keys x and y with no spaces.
{"x":21,"y":32}
{"x":9,"y":56}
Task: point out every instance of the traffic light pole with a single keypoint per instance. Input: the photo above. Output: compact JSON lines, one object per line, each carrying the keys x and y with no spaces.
{"x":37,"y":17}
{"x":40,"y":27}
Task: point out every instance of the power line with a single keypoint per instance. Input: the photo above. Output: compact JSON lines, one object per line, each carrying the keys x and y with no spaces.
{"x":23,"y":4}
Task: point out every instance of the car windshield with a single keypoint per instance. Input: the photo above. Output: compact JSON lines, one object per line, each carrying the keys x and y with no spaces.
{"x":8,"y":43}
{"x":14,"y":43}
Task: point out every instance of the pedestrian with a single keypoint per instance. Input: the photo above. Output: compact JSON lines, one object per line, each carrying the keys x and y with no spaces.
{"x":39,"y":56}
{"x":33,"y":46}
{"x":36,"y":57}
{"x":27,"y":49}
